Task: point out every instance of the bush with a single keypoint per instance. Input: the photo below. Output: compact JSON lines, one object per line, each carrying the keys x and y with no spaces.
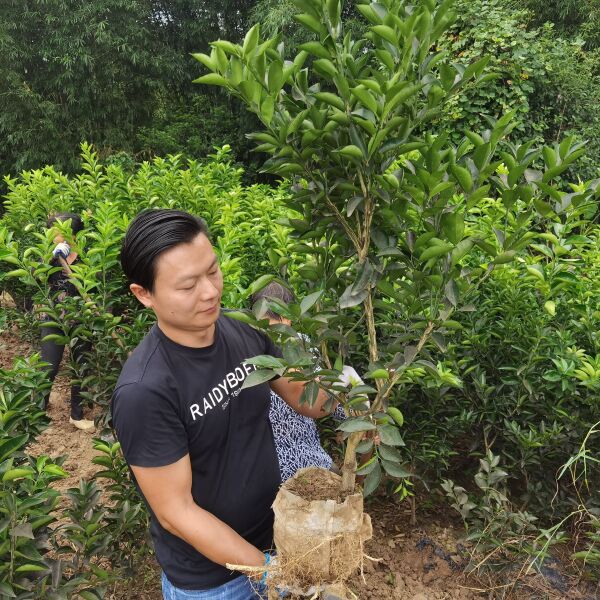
{"x":550,"y":80}
{"x":242,"y":221}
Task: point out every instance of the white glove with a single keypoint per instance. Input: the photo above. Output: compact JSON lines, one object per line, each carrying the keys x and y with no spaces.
{"x":350,"y":377}
{"x":63,"y":250}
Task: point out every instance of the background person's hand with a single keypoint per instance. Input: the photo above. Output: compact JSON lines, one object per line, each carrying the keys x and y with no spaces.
{"x":349,"y":376}
{"x":61,"y":250}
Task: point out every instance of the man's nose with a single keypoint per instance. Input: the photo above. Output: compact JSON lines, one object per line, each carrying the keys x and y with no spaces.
{"x":208,"y":291}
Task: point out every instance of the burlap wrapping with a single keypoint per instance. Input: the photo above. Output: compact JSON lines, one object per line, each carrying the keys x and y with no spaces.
{"x":319,"y":541}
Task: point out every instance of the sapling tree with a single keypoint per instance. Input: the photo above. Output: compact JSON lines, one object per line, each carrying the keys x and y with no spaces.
{"x":388,"y":234}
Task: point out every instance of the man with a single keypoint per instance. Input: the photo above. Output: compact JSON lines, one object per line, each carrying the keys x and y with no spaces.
{"x":200,"y":449}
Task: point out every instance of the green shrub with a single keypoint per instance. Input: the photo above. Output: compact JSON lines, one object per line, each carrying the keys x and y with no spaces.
{"x":241,"y":220}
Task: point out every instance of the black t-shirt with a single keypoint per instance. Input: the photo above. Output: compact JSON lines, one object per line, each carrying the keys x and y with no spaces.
{"x":172,"y":400}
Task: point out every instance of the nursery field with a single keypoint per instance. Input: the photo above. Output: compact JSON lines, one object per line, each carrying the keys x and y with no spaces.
{"x":406,"y":561}
{"x":436,"y":246}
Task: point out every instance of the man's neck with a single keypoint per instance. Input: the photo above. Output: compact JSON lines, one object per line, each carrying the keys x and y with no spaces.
{"x":191,"y":339}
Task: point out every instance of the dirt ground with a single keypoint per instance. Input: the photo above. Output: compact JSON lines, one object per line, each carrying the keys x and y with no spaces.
{"x":423,"y":562}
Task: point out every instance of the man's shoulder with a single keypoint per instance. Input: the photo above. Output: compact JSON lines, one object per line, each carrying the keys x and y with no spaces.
{"x":144,"y":364}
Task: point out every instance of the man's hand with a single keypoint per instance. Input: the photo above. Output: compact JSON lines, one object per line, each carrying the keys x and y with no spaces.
{"x":61,"y":250}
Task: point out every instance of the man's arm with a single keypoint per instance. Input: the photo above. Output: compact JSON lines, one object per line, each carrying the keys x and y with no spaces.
{"x":291,"y":392}
{"x":168,"y":490}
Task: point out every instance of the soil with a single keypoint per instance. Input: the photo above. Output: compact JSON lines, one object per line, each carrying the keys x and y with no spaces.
{"x":405,"y":562}
{"x":320,"y":485}
{"x":411,"y":563}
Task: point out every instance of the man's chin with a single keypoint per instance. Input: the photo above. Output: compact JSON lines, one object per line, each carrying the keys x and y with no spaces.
{"x":207,"y":318}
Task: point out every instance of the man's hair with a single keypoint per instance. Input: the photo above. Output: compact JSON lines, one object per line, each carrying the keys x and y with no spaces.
{"x":76,"y":222}
{"x":274,"y":291}
{"x":151,"y":233}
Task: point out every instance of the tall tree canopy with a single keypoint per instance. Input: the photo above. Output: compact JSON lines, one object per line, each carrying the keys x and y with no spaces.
{"x":118,"y":73}
{"x":100,"y":71}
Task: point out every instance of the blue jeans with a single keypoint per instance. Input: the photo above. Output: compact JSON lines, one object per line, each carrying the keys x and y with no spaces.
{"x":240,"y":588}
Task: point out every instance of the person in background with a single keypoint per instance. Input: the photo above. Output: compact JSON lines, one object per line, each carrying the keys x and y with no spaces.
{"x":64,"y":255}
{"x":296,"y":437}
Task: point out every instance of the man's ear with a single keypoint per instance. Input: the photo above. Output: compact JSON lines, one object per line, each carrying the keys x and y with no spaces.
{"x":142,"y":294}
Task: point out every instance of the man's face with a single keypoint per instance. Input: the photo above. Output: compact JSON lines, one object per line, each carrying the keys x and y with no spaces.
{"x":187,"y":287}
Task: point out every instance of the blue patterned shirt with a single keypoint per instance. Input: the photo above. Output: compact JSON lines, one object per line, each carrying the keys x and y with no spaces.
{"x":297,"y":439}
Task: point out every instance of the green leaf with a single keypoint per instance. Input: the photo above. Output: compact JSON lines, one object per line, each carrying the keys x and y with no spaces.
{"x":475,"y":69}
{"x":550,"y":157}
{"x":24,"y":530}
{"x":389,"y":453}
{"x":239,"y":315}
{"x":369,"y":14}
{"x":395,"y":470}
{"x":89,"y":595}
{"x":367,"y":467}
{"x":356,"y":424}
{"x":212,"y":79}
{"x":265,"y":361}
{"x":434,"y":251}
{"x":258,"y":377}
{"x":63,"y":340}
{"x":396,"y":414}
{"x":309,"y":301}
{"x":334,"y":10}
{"x":505,"y":257}
{"x":402,"y":96}
{"x":31,"y":568}
{"x":372,"y":481}
{"x":266,"y":109}
{"x":352,"y":151}
{"x":390,"y":435}
{"x":251,"y":39}
{"x":310,"y":22}
{"x":13,"y":474}
{"x":453,"y":226}
{"x":364,"y":447}
{"x":363,"y":95}
{"x":206,"y":60}
{"x":325,"y":67}
{"x":330,"y":99}
{"x":315,"y":48}
{"x":16,"y":273}
{"x":7,"y":590}
{"x":385,"y":32}
{"x":377,"y":374}
{"x":275,"y":77}
{"x":227,"y":47}
{"x":536,"y":271}
{"x":259,"y":284}
{"x":463,"y":176}
{"x":55,"y":470}
{"x":11,"y":445}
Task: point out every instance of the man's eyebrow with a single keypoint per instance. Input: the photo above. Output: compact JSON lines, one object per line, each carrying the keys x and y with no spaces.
{"x":194,"y":275}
